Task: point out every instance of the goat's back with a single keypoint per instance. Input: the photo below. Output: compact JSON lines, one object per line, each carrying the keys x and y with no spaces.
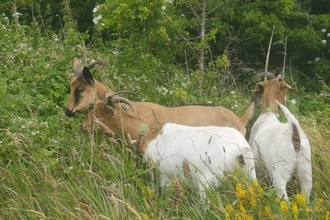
{"x":193,"y":115}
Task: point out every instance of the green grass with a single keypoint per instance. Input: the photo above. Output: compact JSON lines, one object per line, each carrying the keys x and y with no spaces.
{"x":49,"y":169}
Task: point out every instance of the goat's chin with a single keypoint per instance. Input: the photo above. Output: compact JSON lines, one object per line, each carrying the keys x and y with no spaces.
{"x":70,"y":113}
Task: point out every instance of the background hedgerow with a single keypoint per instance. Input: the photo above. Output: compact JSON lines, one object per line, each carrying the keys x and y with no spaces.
{"x":49,"y":169}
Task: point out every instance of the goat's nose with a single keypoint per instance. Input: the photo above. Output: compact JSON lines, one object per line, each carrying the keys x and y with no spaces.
{"x":69,"y":113}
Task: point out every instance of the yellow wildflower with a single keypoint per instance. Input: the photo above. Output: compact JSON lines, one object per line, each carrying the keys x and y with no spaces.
{"x":267,"y":211}
{"x":252,"y":197}
{"x":318,"y":208}
{"x":326,"y":217}
{"x":240,"y":193}
{"x":146,"y":217}
{"x":295,"y":210}
{"x":255,"y":183}
{"x":150,"y":192}
{"x":229,"y":211}
{"x":300,"y":200}
{"x":284,"y":207}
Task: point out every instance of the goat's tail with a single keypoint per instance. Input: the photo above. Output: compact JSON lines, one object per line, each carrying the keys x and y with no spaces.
{"x":294,"y":126}
{"x":250,"y":111}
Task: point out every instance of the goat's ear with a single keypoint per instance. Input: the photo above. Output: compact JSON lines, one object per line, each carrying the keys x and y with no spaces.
{"x":258,"y":91}
{"x":88,"y":76}
{"x":76,"y":64}
{"x":109,"y":103}
{"x":288,"y":87}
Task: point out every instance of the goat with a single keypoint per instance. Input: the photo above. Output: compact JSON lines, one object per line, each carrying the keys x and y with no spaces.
{"x":283,"y":148}
{"x":200,"y":152}
{"x":193,"y":115}
{"x":85,"y":90}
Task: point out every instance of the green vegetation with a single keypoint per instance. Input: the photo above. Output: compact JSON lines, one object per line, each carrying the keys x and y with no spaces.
{"x":49,"y":169}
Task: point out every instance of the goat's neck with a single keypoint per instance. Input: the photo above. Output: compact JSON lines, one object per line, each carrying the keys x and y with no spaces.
{"x":128,"y":123}
{"x":138,"y":129}
{"x":102,"y":90}
{"x":269,"y":106}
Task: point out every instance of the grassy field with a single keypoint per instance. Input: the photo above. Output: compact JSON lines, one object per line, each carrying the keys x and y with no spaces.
{"x":49,"y":169}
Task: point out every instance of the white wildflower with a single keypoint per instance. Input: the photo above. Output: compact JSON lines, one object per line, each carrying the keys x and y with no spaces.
{"x":317,"y":59}
{"x":293,"y":101}
{"x":323,"y":41}
{"x":328,"y":34}
{"x":163,"y":7}
{"x":14,"y":50}
{"x":323,"y":30}
{"x":97,"y":19}
{"x":96,"y":8}
{"x":17,"y":14}
{"x":309,"y":62}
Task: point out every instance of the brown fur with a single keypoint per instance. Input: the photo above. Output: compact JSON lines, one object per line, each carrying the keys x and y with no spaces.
{"x":154,"y":115}
{"x":272,"y":91}
{"x":84,"y":92}
{"x":295,"y":138}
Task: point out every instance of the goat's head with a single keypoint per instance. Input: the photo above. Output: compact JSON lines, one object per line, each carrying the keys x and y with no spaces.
{"x":83,"y":92}
{"x":106,"y":112}
{"x":272,"y":89}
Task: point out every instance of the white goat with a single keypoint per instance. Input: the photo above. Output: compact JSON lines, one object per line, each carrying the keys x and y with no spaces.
{"x":283,"y":148}
{"x":201,"y":152}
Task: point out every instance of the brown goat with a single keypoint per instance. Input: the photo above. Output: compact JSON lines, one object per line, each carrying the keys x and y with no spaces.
{"x":85,"y":90}
{"x":151,"y":114}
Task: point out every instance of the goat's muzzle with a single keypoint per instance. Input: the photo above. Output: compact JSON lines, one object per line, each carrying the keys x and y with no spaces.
{"x":69,"y":113}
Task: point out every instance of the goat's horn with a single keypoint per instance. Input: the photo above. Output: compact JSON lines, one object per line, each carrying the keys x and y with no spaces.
{"x":279,"y":78}
{"x":119,"y":99}
{"x":78,"y":69}
{"x":91,"y":65}
{"x":121,"y":93}
{"x":268,"y":74}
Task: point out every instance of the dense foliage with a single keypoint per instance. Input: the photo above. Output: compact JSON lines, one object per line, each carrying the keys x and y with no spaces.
{"x":163,"y":51}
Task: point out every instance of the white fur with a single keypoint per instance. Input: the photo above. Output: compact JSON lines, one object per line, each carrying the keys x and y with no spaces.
{"x":209,"y":151}
{"x":271,"y":142}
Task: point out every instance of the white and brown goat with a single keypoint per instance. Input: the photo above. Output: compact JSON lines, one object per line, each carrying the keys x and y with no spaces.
{"x":283,"y":148}
{"x":85,"y":90}
{"x":203,"y":153}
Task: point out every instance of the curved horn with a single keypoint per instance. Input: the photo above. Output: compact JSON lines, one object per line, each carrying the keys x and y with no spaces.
{"x":118,"y":99}
{"x":93,"y":64}
{"x":78,"y":69}
{"x":279,"y":78}
{"x":268,"y":74}
{"x":121,"y":93}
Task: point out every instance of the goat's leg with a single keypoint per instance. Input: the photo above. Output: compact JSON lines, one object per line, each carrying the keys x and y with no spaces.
{"x":279,"y":183}
{"x":304,"y":175}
